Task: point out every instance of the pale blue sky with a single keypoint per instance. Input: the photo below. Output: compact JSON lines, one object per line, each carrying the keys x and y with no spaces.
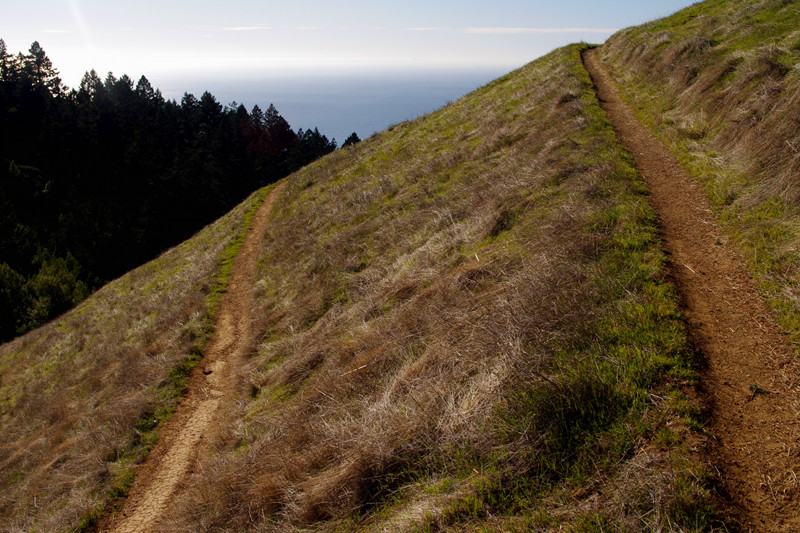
{"x":269,"y":38}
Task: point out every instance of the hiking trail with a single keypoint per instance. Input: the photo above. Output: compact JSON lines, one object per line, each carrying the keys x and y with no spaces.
{"x":749,"y":376}
{"x":211,"y":384}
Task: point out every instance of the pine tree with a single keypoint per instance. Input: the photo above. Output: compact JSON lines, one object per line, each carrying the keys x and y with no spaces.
{"x":351,"y":140}
{"x":90,"y":83}
{"x":39,"y":69}
{"x":8,"y":63}
{"x":144,"y":89}
{"x":280,"y":134}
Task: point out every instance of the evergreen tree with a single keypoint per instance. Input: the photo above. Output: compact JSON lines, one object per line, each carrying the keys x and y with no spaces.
{"x":39,"y":69}
{"x":210,"y":111}
{"x":144,"y":89}
{"x":279,"y":133}
{"x":91,"y":84}
{"x":351,"y":140}
{"x":110,"y":82}
{"x":8,"y":64}
{"x":310,"y":145}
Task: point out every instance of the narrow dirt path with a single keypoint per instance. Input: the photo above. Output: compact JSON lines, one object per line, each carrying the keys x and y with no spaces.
{"x":750,"y":375}
{"x":212,"y":382}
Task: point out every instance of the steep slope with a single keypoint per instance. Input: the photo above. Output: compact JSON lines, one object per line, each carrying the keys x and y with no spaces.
{"x":82,"y":399}
{"x":209,"y":388}
{"x":746,"y":361}
{"x":719,"y":83}
{"x":463,"y":322}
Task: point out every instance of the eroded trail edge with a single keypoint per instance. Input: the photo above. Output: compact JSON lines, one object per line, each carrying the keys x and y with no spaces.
{"x":749,"y":375}
{"x":211,"y":383}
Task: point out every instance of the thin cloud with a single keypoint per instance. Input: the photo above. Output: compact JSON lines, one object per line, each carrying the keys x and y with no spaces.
{"x":57,"y":31}
{"x":427,"y":28}
{"x":540,"y":31}
{"x":246,"y":28}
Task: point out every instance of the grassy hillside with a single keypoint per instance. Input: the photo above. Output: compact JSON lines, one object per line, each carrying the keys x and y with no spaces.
{"x":463,"y":321}
{"x":82,"y":398}
{"x":464,"y":324}
{"x":719,"y":83}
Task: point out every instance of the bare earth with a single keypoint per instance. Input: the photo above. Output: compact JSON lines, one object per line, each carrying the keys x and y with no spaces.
{"x":212,"y":382}
{"x":755,"y":435}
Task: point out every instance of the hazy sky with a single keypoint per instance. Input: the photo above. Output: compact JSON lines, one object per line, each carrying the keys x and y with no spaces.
{"x":154,"y":37}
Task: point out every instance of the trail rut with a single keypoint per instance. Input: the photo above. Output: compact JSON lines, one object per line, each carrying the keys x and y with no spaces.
{"x":750,"y":375}
{"x":212,"y":382}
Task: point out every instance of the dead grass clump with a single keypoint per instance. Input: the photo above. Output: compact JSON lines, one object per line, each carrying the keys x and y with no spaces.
{"x":715,"y":78}
{"x":679,"y":52}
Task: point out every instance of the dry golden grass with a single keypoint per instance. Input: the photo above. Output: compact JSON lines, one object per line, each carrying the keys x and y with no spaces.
{"x":464,"y":324}
{"x":79,"y":395}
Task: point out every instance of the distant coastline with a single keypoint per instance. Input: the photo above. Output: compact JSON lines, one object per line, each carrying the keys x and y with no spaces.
{"x":364,"y":103}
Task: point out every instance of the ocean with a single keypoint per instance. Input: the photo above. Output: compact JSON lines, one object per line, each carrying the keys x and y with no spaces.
{"x":340,"y":105}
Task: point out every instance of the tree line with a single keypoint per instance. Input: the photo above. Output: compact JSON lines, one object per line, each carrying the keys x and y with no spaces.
{"x":99,"y":179}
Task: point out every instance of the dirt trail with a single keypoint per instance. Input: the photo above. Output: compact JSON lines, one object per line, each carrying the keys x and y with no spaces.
{"x":750,"y":378}
{"x":212,"y":382}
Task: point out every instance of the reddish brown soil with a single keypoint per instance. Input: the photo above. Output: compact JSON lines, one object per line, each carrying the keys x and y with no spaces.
{"x":212,"y":382}
{"x":755,"y":435}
